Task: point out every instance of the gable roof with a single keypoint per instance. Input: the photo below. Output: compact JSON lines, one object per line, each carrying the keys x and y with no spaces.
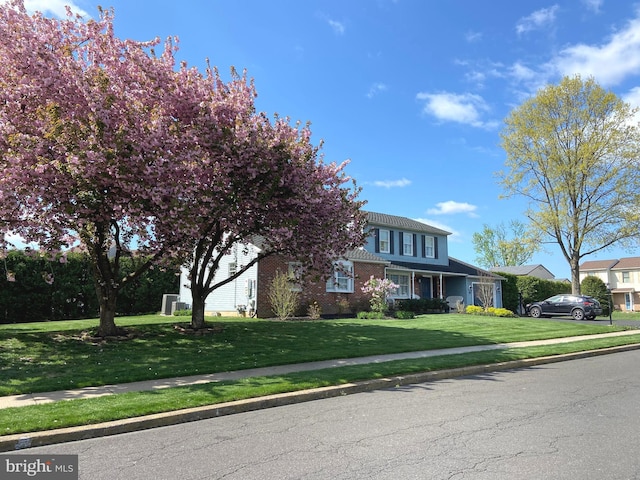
{"x":629,"y":263}
{"x":520,"y":270}
{"x":598,"y":265}
{"x":393,"y":221}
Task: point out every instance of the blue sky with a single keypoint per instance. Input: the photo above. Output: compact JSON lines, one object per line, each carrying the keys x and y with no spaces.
{"x":413,"y":92}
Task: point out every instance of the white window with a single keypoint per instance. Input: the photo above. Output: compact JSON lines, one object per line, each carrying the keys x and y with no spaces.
{"x":429,"y":247}
{"x":407,"y":244}
{"x":626,"y":277}
{"x":384,"y":241}
{"x":342,"y":278}
{"x":295,"y":276}
{"x":233,"y":268}
{"x":403,"y":283}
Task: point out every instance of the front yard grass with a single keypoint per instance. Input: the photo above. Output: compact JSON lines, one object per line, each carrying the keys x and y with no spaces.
{"x":134,"y":404}
{"x":47,"y":356}
{"x":50,"y":356}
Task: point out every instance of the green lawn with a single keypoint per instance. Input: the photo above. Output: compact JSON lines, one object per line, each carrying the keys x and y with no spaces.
{"x":47,"y":356}
{"x":55,"y":355}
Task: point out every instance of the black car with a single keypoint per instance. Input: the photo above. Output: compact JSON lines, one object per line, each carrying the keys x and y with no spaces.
{"x":580,"y":307}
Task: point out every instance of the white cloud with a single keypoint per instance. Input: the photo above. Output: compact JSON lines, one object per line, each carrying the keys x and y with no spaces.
{"x":472,"y":36}
{"x":392,"y":183}
{"x":633,"y":98}
{"x":593,"y":5}
{"x":451,"y":207}
{"x":452,"y":107}
{"x":375,"y":89}
{"x":609,"y":63}
{"x":455,"y":236}
{"x":53,"y":7}
{"x":537,"y":20}
{"x":338,"y":27}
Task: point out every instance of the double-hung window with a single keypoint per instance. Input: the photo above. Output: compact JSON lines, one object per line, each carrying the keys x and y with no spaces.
{"x":384,"y":241}
{"x":407,"y":244}
{"x":342,"y":278}
{"x":403,"y":285}
{"x":429,"y":247}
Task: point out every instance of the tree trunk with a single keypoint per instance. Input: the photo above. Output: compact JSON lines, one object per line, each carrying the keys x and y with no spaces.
{"x":107,"y":297}
{"x":197,"y":308}
{"x":574,"y":263}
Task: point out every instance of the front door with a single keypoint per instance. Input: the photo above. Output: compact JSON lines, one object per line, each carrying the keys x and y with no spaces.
{"x":426,"y":287}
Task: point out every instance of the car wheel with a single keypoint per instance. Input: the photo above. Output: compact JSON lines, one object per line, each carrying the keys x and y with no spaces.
{"x":578,"y":314}
{"x":535,"y":312}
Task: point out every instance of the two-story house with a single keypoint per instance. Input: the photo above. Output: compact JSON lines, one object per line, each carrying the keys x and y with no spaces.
{"x":412,"y":254}
{"x":621,"y":276}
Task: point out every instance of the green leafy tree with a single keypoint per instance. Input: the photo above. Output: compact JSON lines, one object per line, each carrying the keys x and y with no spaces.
{"x":596,"y":288}
{"x":503,"y":246}
{"x":573,"y":151}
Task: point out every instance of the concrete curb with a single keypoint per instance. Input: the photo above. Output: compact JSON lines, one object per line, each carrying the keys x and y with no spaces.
{"x":37,"y":439}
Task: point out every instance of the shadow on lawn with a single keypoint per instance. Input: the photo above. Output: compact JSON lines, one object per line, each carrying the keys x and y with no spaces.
{"x":38,"y":362}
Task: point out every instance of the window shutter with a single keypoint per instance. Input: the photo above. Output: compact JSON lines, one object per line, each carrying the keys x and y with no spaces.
{"x":391,"y":242}
{"x":415,"y":245}
{"x":435,"y":247}
{"x":424,"y":248}
{"x":376,"y":235}
{"x":401,"y":242}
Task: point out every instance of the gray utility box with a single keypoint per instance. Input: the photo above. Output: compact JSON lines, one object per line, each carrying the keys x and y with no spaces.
{"x":167,"y":303}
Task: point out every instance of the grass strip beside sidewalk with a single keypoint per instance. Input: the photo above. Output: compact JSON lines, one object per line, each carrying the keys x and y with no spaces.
{"x":135,"y":404}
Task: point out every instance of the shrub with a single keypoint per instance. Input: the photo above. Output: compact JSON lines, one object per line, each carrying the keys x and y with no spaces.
{"x":370,"y":315}
{"x":422,"y":305}
{"x":314,"y":311}
{"x":500,"y":312}
{"x":474,"y":310}
{"x":284,"y":301}
{"x":491,"y":311}
{"x":182,"y":313}
{"x":380,"y":290}
{"x":596,"y":288}
{"x":35,"y":287}
{"x":404,"y":314}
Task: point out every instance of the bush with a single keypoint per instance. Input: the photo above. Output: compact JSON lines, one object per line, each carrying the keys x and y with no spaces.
{"x":491,"y":311}
{"x":284,"y":301}
{"x":404,"y":314}
{"x":370,"y":315}
{"x":596,"y":288}
{"x":35,"y":288}
{"x":500,"y":312}
{"x":474,"y":310}
{"x":182,"y":313}
{"x":422,"y":305}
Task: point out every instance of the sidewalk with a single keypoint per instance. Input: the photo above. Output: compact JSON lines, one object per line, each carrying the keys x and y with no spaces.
{"x":92,"y":392}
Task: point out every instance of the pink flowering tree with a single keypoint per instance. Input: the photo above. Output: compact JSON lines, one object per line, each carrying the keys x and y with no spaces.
{"x":271,"y":187}
{"x":106,"y":143}
{"x":380,"y":289}
{"x":90,"y":143}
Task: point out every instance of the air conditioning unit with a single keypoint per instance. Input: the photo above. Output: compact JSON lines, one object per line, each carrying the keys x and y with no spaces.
{"x":167,"y":303}
{"x":178,"y":306}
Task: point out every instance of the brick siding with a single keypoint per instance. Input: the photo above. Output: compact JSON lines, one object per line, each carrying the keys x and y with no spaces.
{"x":331,"y":303}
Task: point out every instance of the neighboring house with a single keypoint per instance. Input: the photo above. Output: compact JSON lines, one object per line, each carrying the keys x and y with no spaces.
{"x":538,"y":271}
{"x":412,"y":254}
{"x":621,"y":276}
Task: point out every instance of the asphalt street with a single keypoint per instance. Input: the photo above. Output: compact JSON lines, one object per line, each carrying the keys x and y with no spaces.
{"x":568,"y":420}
